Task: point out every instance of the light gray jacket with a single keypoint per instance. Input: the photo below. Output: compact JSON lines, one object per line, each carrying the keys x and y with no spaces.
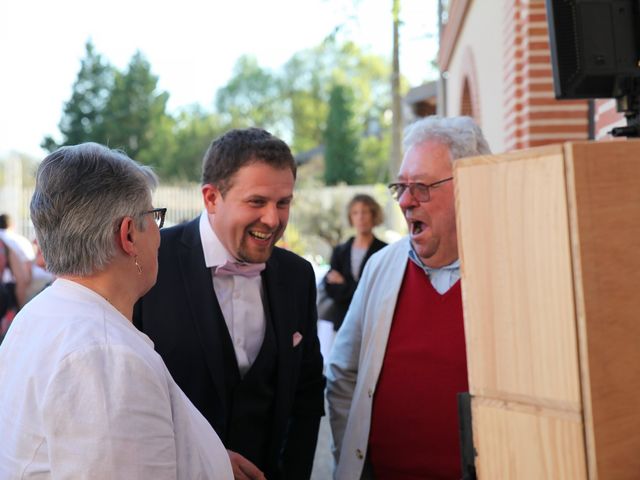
{"x":356,"y":358}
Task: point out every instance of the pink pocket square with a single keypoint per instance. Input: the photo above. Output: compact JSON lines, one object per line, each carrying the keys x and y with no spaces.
{"x":297,"y":338}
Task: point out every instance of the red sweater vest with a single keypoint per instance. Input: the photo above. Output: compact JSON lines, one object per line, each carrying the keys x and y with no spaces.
{"x":414,"y":421}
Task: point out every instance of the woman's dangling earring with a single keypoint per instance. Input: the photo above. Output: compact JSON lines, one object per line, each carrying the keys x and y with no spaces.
{"x":135,"y":260}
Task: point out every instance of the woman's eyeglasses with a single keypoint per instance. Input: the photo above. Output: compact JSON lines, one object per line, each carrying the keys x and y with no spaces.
{"x":158,"y":215}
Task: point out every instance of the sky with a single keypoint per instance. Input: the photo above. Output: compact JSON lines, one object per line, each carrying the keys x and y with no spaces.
{"x":191,"y":45}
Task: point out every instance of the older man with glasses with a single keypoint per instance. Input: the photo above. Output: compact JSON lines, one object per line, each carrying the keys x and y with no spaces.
{"x":399,"y":359}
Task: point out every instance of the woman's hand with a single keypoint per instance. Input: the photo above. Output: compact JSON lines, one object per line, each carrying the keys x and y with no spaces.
{"x":334,"y":277}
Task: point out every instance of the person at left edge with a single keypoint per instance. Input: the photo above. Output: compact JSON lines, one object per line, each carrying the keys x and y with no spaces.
{"x":83,"y":394}
{"x":234,"y":317}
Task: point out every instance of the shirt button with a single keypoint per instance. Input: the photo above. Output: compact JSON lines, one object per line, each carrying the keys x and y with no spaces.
{"x":359,"y":454}
{"x":370,"y":392}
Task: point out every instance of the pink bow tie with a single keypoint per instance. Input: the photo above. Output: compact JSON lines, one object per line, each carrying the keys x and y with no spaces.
{"x":243,"y":269}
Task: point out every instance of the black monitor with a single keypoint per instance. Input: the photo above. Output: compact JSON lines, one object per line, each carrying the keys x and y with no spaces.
{"x":595,"y":51}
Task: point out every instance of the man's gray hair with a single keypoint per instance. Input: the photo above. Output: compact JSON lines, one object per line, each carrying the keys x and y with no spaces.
{"x":82,"y":194}
{"x":461,"y":134}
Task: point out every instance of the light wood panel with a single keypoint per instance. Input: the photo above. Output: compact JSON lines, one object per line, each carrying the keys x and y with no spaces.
{"x":517,"y":288}
{"x":549,"y":244}
{"x":604,"y":193}
{"x":527,"y":443}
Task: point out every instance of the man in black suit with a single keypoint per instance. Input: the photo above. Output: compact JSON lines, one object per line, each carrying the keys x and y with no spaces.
{"x":234,"y":317}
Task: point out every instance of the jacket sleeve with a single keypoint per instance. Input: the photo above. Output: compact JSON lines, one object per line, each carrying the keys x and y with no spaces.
{"x":308,"y":404}
{"x":342,"y":368}
{"x":341,"y":292}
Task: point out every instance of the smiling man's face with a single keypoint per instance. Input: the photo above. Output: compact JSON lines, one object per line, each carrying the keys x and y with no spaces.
{"x":432,"y":224}
{"x":253,"y":213}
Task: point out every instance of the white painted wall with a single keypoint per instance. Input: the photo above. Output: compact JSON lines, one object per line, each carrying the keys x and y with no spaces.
{"x":482,"y":31}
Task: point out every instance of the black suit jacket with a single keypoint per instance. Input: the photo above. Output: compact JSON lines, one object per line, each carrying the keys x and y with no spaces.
{"x":178,"y":314}
{"x":342,"y":293}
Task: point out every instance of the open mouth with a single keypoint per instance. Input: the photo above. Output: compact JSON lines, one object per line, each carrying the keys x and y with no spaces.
{"x":417,"y":227}
{"x":261,"y":235}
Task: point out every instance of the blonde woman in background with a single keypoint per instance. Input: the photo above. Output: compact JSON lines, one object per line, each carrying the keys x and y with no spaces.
{"x":348,"y":259}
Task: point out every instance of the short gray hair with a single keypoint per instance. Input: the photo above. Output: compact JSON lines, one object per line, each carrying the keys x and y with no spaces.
{"x":82,"y":193}
{"x":461,"y":134}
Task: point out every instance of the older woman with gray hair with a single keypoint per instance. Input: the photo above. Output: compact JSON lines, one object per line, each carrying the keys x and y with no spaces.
{"x":84,"y":395}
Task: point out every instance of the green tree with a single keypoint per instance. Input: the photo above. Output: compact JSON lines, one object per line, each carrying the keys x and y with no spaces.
{"x":135,"y":117}
{"x":82,"y":117}
{"x":194,"y":130}
{"x":374,"y":157}
{"x":306,"y":81}
{"x":118,"y":109}
{"x":341,"y":139}
{"x":126,"y":110}
{"x":251,"y":98}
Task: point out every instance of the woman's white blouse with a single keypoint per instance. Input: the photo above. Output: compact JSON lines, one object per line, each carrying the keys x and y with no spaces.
{"x":83,"y":395}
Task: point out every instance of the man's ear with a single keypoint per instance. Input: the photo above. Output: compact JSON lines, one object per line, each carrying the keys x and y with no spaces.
{"x":211,"y":196}
{"x":127,"y":233}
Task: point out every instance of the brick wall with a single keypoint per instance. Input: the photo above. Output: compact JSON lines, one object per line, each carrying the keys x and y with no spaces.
{"x":533,"y":116}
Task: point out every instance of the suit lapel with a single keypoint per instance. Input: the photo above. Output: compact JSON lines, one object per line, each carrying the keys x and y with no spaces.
{"x":284,"y":326}
{"x":204,"y":308}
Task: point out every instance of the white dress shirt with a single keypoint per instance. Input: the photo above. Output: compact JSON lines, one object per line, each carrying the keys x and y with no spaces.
{"x":240,"y":299}
{"x":83,"y":395}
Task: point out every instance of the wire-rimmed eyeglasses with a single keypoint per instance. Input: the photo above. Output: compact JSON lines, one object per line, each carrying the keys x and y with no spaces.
{"x":419,"y":191}
{"x":158,"y":215}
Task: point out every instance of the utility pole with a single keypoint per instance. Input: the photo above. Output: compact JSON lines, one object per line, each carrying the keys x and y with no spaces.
{"x":396,"y":100}
{"x":441,"y":108}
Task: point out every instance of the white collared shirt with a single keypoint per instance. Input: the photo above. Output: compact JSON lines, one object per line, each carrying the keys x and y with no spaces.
{"x":240,"y":298}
